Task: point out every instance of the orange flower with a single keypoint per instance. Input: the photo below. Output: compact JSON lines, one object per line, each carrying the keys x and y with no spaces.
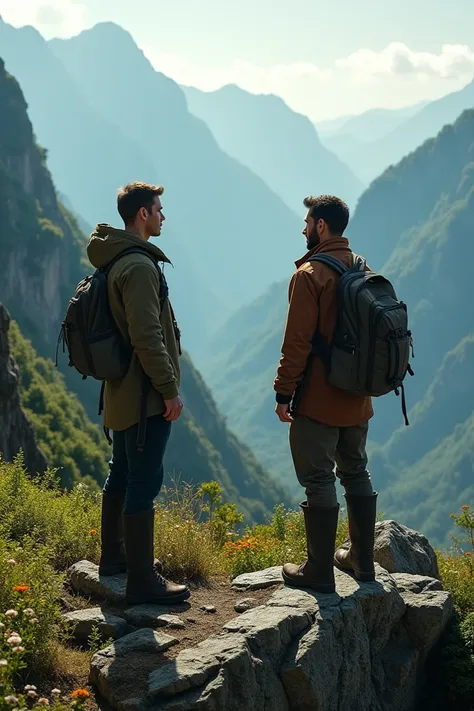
{"x":453,"y":515}
{"x":464,"y":508}
{"x":80,"y":694}
{"x":93,"y":531}
{"x":21,"y":588}
{"x":292,"y":528}
{"x":468,"y":553}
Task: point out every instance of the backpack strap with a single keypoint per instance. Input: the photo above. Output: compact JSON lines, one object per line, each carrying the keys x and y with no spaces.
{"x":329,"y":261}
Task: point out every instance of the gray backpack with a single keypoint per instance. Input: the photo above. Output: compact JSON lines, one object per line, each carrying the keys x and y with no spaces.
{"x":370,"y":350}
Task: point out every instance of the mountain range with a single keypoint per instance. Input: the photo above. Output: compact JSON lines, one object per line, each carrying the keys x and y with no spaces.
{"x":276,"y":143}
{"x":372,"y":142}
{"x":105,"y":123}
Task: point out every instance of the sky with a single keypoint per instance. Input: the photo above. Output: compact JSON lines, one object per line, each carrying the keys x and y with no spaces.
{"x":325,"y":59}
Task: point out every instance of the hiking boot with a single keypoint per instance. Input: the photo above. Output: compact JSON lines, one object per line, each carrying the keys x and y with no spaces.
{"x":359,"y":558}
{"x":317,"y":572}
{"x":113,"y":560}
{"x":112,"y":557}
{"x":144,"y":583}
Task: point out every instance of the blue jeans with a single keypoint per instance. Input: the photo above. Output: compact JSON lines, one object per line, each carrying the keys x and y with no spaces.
{"x":135,"y":475}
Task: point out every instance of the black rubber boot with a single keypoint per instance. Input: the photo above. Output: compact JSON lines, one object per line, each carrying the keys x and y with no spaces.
{"x":317,"y":572}
{"x":359,"y":559}
{"x":144,"y":582}
{"x":112,"y":558}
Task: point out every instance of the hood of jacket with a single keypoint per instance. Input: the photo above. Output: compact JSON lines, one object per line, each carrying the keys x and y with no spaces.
{"x":106,"y":242}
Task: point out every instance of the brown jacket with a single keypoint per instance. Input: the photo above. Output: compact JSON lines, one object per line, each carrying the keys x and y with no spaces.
{"x":313,"y":305}
{"x":146,"y":322}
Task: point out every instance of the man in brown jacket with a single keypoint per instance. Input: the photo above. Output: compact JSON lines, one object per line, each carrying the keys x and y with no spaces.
{"x":328,"y":426}
{"x":140,"y":407}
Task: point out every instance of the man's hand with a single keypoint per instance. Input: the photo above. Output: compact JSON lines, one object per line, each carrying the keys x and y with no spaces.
{"x":174,"y":409}
{"x":283,"y":412}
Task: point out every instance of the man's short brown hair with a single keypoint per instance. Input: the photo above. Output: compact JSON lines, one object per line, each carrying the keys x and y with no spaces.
{"x":331,"y":209}
{"x":132,"y":197}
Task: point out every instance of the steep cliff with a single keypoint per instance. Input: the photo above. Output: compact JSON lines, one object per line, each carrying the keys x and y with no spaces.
{"x":16,"y":430}
{"x":40,"y":242}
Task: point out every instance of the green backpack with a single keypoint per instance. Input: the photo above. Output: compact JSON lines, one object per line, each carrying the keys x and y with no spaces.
{"x":370,"y":350}
{"x":91,"y":336}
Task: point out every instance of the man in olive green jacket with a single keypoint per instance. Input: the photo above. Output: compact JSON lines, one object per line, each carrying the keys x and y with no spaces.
{"x":140,"y":407}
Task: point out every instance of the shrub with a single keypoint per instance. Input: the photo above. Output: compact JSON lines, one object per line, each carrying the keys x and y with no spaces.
{"x":37,"y":509}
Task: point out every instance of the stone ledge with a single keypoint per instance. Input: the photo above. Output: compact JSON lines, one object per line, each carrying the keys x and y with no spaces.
{"x":301,"y":650}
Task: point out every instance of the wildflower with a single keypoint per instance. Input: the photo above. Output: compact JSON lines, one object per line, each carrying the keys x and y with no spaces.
{"x":28,"y":612}
{"x":468,"y":553}
{"x":3,"y":663}
{"x":14,"y":639}
{"x":80,"y":694}
{"x":33,"y":620}
{"x":21,"y":588}
{"x":12,"y":561}
{"x":464,"y":508}
{"x":11,"y":613}
{"x":18,"y":649}
{"x":31,"y":687}
{"x":43,"y":701}
{"x":453,"y":515}
{"x":11,"y":700}
{"x":93,"y":531}
{"x":56,"y":692}
{"x":32,"y":694}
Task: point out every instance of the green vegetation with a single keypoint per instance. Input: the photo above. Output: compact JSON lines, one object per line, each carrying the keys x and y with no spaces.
{"x":65,"y":434}
{"x":44,"y":529}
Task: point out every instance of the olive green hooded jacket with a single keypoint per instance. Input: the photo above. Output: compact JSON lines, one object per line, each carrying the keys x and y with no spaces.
{"x":143,"y":320}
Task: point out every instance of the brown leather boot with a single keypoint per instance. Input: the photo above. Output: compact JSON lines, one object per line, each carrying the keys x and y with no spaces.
{"x":359,"y":558}
{"x":113,"y":560}
{"x":317,"y":572}
{"x":144,"y":582}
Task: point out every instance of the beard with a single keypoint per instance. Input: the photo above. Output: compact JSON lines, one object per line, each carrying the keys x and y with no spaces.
{"x":312,"y":239}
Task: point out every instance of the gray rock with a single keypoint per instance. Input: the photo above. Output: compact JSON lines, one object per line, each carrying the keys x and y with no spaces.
{"x":209,"y":608}
{"x":151,"y":615}
{"x":426,"y":616}
{"x":416,"y":583}
{"x":362,"y":647}
{"x":120,"y":671}
{"x":171,"y":621}
{"x":259,"y":580}
{"x":399,"y":549}
{"x":85,"y":579}
{"x":81,"y":623}
{"x":245,"y":604}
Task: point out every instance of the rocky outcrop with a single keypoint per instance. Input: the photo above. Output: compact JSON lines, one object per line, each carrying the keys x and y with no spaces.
{"x":16,"y":431}
{"x":360,"y":649}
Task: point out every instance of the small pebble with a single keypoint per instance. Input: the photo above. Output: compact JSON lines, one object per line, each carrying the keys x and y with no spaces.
{"x":244,"y":605}
{"x":191,"y":619}
{"x":209,"y":608}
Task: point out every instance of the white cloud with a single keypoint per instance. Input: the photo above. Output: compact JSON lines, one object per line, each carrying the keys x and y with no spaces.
{"x":395,"y":77}
{"x":53,"y":18}
{"x":265,"y":80}
{"x":453,"y":62}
